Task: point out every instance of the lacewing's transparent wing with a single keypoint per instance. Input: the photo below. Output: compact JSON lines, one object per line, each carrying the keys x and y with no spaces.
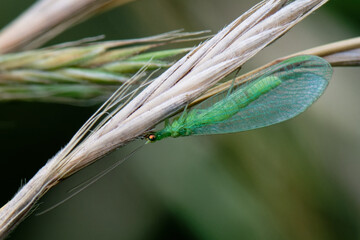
{"x":303,"y":80}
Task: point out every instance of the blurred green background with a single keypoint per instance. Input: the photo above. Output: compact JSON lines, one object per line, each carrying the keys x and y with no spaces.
{"x":295,"y":180}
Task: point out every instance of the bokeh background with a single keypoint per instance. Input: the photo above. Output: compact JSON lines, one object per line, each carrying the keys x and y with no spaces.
{"x":295,"y":180}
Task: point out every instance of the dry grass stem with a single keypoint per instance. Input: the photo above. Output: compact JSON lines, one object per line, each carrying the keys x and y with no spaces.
{"x":332,"y":48}
{"x":345,"y":58}
{"x":46,"y":19}
{"x":342,"y":53}
{"x":179,"y":85}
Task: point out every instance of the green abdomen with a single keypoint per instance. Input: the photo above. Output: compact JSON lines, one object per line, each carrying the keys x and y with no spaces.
{"x":233,"y":103}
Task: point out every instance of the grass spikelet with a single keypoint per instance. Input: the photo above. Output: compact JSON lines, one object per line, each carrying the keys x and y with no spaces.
{"x":100,"y":66}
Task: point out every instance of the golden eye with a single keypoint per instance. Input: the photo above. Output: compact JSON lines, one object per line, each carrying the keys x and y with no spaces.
{"x":151,"y":137}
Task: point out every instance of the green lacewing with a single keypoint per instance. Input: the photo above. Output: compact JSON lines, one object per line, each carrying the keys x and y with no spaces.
{"x":278,"y":93}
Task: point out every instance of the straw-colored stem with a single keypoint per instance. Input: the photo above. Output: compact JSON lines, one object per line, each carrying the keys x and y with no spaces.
{"x":331,"y":48}
{"x":328,"y":51}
